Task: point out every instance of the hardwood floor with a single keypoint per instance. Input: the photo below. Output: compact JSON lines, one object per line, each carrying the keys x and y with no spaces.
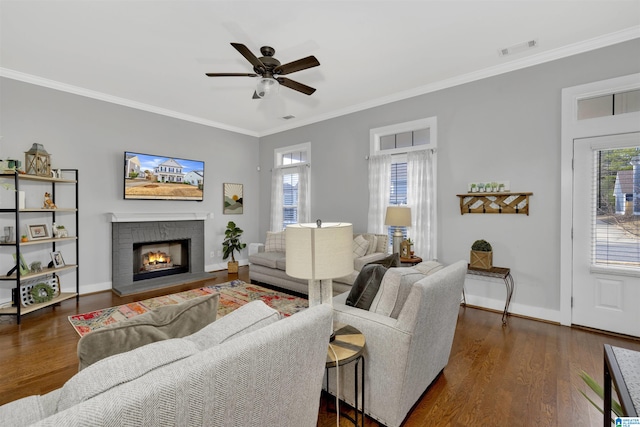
{"x":524,"y":374}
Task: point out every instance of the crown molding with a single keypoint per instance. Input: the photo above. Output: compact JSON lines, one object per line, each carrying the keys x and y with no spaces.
{"x":52,"y":84}
{"x":513,"y":65}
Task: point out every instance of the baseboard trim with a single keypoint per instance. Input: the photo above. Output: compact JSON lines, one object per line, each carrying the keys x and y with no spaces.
{"x":520,"y":310}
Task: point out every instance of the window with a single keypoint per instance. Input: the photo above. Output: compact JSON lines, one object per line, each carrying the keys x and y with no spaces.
{"x":398,"y":192}
{"x":290,"y":186}
{"x":616,"y":208}
{"x":290,"y":198}
{"x":402,"y":172}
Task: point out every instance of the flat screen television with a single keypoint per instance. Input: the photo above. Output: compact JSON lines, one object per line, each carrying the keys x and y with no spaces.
{"x":150,"y":177}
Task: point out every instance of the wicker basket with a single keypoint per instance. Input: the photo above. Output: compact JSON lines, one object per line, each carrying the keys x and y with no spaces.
{"x":481,"y":260}
{"x":232,"y":267}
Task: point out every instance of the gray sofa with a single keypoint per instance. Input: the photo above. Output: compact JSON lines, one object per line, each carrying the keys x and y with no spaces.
{"x":248,"y":368}
{"x":268,"y":263}
{"x":409,"y":331}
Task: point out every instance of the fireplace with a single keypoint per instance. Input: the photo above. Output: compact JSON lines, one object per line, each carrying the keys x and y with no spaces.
{"x":162,"y":258}
{"x":151,"y":251}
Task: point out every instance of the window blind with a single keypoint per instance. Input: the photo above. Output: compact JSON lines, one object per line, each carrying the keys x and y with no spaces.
{"x":615,"y":214}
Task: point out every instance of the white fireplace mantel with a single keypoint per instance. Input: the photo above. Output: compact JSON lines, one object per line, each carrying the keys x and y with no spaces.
{"x":158,"y":216}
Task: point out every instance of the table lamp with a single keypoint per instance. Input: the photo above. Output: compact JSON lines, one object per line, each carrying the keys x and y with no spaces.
{"x":398,"y":216}
{"x":319,"y":252}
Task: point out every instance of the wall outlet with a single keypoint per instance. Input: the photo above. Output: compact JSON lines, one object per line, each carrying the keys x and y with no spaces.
{"x":212,"y":254}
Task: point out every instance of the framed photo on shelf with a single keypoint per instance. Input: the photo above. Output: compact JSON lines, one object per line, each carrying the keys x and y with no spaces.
{"x":56,"y":257}
{"x":22,"y":265}
{"x":38,"y":231}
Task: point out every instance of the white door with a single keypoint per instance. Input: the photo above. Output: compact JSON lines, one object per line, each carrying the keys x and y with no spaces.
{"x":606,"y":234}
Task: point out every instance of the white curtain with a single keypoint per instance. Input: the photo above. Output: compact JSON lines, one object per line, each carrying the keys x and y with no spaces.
{"x":421,"y":198}
{"x":379,"y":191}
{"x":276,"y":200}
{"x":304,"y":193}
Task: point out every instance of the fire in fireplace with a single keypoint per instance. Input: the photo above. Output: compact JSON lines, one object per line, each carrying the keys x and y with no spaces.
{"x":156,"y":259}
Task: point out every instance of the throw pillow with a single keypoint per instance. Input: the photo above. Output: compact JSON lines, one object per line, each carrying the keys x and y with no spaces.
{"x":428,"y":267}
{"x":169,"y":321}
{"x":392,"y":260}
{"x":275,"y":242}
{"x":394,"y":290}
{"x":366,"y":286}
{"x":360,"y":246}
{"x":373,"y":242}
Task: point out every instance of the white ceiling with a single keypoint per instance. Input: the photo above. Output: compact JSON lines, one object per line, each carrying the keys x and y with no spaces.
{"x":154,"y":54}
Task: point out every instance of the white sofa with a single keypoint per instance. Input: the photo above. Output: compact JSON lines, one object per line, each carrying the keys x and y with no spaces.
{"x":248,"y":368}
{"x":268,"y":263}
{"x":409,"y":331}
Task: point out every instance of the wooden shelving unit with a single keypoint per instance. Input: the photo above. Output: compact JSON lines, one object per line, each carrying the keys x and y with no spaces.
{"x":495,"y":203}
{"x":17,"y":278}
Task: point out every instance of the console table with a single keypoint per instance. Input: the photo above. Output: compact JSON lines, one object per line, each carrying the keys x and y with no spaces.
{"x":348,"y":346}
{"x":622,"y":366}
{"x":499,"y":273}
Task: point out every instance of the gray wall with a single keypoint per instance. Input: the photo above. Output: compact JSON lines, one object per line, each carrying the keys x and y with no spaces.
{"x":502,"y":128}
{"x":92,"y":135}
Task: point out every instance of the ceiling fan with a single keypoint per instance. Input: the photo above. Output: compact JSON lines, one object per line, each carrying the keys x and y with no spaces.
{"x":270,"y":71}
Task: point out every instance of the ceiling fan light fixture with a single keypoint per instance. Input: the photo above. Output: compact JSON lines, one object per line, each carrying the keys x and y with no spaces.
{"x":267,"y":87}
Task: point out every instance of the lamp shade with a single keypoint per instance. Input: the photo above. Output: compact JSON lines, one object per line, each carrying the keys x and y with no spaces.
{"x":318,"y":253}
{"x":398,"y":216}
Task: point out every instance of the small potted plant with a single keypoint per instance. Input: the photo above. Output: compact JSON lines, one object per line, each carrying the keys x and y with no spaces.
{"x":231,"y":244}
{"x":474,"y":187}
{"x":481,"y":255}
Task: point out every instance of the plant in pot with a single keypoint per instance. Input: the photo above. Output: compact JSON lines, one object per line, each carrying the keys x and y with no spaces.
{"x":481,"y":255}
{"x":232,"y":244}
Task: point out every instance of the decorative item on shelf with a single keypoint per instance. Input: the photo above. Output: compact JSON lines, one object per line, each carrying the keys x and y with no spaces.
{"x":47,"y":288}
{"x":48,"y":203}
{"x":231,"y":244}
{"x":41,"y":293}
{"x":38,"y":231}
{"x":24,"y":238}
{"x":37,"y":161}
{"x":9,"y":235}
{"x":481,"y":255}
{"x":56,"y":258}
{"x":59,"y":231}
{"x":35,"y":267}
{"x":398,"y":216}
{"x":405,"y":248}
{"x":11,"y":165}
{"x":22,"y":264}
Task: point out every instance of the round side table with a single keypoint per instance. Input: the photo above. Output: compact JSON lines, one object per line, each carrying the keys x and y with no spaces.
{"x":410,"y":260}
{"x":348,"y":346}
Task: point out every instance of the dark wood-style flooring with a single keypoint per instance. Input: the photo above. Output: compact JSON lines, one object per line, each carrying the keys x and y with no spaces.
{"x":524,"y":374}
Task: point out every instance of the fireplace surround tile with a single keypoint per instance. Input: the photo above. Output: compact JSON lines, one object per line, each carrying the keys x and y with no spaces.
{"x":125,"y":234}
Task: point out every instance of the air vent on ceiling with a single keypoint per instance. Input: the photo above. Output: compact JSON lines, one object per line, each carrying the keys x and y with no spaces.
{"x":516,"y":48}
{"x":289,"y":117}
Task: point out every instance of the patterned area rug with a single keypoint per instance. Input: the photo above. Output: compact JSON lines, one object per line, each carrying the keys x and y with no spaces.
{"x":232,"y":295}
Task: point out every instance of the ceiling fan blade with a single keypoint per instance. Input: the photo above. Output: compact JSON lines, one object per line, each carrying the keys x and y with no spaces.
{"x":307,"y":90}
{"x":231,"y":75}
{"x":244,"y":51}
{"x":300,"y":64}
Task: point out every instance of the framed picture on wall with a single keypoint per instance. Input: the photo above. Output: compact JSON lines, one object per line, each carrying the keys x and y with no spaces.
{"x":233,"y":201}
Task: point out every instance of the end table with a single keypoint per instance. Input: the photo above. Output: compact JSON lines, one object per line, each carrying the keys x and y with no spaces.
{"x":410,"y":260}
{"x":500,"y":273}
{"x":348,"y":346}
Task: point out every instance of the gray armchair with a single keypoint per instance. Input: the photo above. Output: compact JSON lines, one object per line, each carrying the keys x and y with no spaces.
{"x":409,"y":332}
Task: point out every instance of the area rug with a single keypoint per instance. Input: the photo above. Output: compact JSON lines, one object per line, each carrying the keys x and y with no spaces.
{"x":232,"y":295}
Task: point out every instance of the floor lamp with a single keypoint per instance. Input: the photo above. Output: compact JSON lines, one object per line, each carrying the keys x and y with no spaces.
{"x":319,"y":252}
{"x":398,"y":216}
